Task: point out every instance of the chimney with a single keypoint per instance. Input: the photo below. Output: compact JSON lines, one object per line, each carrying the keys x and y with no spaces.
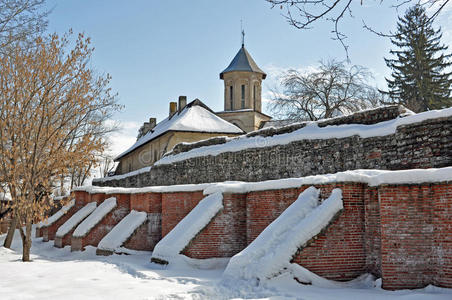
{"x":182,"y":102}
{"x":152,"y":122}
{"x":172,"y":108}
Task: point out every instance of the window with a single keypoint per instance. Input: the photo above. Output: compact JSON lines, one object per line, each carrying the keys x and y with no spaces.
{"x":231,"y":97}
{"x":243,"y":96}
{"x":254,"y":96}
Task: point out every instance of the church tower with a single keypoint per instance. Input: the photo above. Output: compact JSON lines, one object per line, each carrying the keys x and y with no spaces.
{"x":243,"y":92}
{"x":242,"y":83}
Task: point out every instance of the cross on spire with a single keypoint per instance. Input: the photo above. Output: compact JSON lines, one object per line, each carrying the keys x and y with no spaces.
{"x":243,"y":33}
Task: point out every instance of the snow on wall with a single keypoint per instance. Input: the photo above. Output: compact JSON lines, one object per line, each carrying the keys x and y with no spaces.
{"x":122,"y":231}
{"x":309,"y":132}
{"x":370,"y":176}
{"x":93,"y":219}
{"x":272,"y":250}
{"x":56,"y":216}
{"x":76,"y":219}
{"x":117,"y":177}
{"x":178,"y":238}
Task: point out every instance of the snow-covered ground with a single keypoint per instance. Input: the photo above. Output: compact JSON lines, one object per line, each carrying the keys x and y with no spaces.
{"x":62,"y":274}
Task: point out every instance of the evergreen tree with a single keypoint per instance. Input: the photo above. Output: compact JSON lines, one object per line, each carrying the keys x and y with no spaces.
{"x":419,"y":78}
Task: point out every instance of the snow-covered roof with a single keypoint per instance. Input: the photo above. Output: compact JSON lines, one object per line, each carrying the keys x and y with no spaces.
{"x":243,"y":62}
{"x":195,"y":117}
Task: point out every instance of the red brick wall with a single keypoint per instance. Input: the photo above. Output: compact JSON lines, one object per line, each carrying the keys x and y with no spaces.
{"x":99,"y":198}
{"x":61,"y":242}
{"x":149,"y":234}
{"x":372,"y":234}
{"x":402,"y":233}
{"x":338,"y":253}
{"x":442,"y":239}
{"x":81,"y":198}
{"x":225,"y":235}
{"x":48,"y":232}
{"x":106,"y":224}
{"x":145,"y":237}
{"x":148,"y":202}
{"x":263,"y":207}
{"x":407,"y":232}
{"x":175,"y":206}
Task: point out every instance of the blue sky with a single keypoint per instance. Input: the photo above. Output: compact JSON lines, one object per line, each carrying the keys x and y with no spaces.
{"x":158,"y":50}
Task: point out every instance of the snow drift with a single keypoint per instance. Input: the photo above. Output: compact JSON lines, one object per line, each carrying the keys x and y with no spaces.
{"x":177,"y":239}
{"x":76,"y":219}
{"x":94,"y":218}
{"x":122,"y":231}
{"x":272,"y":250}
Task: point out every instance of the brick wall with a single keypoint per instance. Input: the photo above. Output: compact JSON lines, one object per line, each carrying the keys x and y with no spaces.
{"x":263,"y":207}
{"x":402,"y":233}
{"x":48,"y":232}
{"x":225,"y":235}
{"x":442,"y":239}
{"x":416,"y":235}
{"x":372,"y":233}
{"x":338,"y":252}
{"x":81,"y":198}
{"x":95,"y":235}
{"x":149,"y":234}
{"x":175,"y":206}
{"x":406,"y":236}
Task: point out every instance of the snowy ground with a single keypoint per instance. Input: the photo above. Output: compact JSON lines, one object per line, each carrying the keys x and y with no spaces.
{"x":58,"y":273}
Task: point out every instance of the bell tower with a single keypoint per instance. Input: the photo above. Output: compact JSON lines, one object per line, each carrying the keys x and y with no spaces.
{"x":243,"y":91}
{"x":243,"y":82}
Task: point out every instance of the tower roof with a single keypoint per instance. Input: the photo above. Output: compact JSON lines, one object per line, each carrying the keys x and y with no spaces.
{"x":243,"y":62}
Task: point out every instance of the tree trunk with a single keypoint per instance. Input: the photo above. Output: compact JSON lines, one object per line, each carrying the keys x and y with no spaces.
{"x":26,"y":242}
{"x":11,"y":230}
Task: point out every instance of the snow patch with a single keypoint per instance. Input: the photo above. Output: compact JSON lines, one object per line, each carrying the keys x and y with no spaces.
{"x":56,"y":216}
{"x":177,"y":239}
{"x":95,"y":217}
{"x":272,"y":250}
{"x":76,"y":219}
{"x":370,"y":176}
{"x":122,"y":231}
{"x":309,"y":132}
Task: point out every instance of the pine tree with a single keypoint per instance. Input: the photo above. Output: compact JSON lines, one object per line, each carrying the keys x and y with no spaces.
{"x":419,"y":78}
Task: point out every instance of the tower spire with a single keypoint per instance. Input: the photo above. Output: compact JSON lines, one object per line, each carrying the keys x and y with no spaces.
{"x":243,"y":33}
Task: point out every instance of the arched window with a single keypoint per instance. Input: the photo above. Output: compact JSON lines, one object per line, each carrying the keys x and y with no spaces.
{"x":243,"y":96}
{"x":231,"y":97}
{"x":254,"y":96}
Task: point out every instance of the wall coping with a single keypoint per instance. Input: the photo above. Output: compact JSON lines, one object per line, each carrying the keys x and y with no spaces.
{"x":311,"y":131}
{"x":369,"y":177}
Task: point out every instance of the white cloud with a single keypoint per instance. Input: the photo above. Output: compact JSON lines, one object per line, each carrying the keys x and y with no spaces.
{"x":125,"y":137}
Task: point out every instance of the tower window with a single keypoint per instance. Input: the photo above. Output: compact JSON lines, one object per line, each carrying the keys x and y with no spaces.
{"x":243,"y":96}
{"x":231,"y":96}
{"x":254,"y":94}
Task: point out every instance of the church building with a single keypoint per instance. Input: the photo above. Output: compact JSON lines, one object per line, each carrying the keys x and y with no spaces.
{"x":195,"y":121}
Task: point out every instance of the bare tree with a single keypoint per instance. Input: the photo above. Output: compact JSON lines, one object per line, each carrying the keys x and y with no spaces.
{"x":21,"y":21}
{"x":49,"y":98}
{"x":331,"y":90}
{"x":106,"y":165}
{"x":303,"y":14}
